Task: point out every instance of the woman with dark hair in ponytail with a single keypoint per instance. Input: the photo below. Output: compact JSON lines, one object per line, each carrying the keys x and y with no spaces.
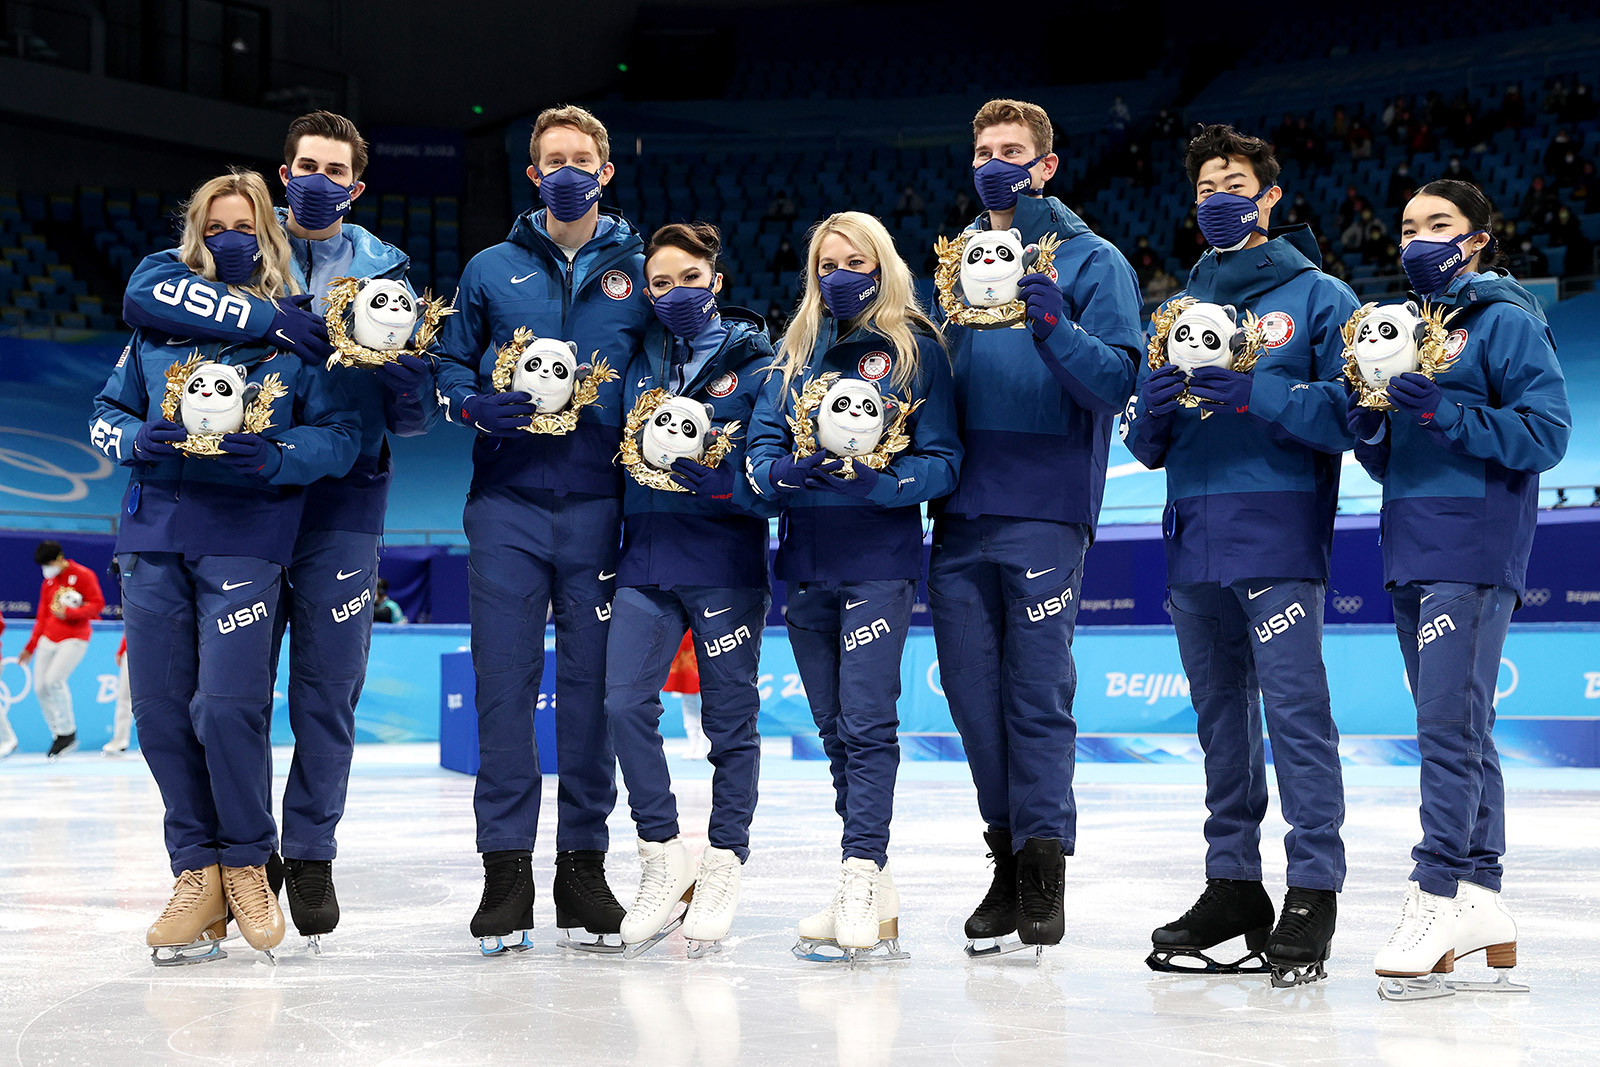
{"x":1459,"y":456}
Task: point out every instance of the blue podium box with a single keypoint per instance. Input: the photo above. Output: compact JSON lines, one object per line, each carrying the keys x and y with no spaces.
{"x":458,"y":714}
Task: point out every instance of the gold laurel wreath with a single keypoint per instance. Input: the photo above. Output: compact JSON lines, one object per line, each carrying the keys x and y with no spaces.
{"x":347,"y":353}
{"x":643,"y":409}
{"x":804,"y":429}
{"x":583,"y":394}
{"x":948,"y":273}
{"x":1431,"y":359}
{"x":1162,"y":321}
{"x":257,"y":415}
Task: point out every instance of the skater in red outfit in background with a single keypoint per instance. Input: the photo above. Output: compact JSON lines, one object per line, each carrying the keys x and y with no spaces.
{"x":684,"y":678}
{"x":8,"y":737}
{"x":68,"y":599}
{"x":122,"y":725}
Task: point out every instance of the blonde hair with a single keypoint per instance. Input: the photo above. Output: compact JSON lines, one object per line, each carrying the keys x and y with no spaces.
{"x":895,"y":312}
{"x":273,"y":277}
{"x":1001,"y":111}
{"x":580,"y":119}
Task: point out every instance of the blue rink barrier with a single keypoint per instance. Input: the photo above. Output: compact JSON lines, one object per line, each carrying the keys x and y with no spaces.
{"x":1132,"y":702}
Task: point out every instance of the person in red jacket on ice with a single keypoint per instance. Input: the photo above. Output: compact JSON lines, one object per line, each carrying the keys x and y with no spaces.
{"x":68,"y":599}
{"x":8,"y":737}
{"x":684,"y":678}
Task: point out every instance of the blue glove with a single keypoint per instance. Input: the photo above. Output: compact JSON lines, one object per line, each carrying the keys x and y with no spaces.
{"x":713,"y":483}
{"x":296,"y":328}
{"x":788,"y":474}
{"x":1421,"y":397}
{"x":826,"y":477}
{"x":498,"y":414}
{"x":1220,"y":386}
{"x":1363,"y":422}
{"x":250,"y":453}
{"x":1046,"y":306}
{"x":1162,"y":390}
{"x":156,"y":438}
{"x":407,"y":375}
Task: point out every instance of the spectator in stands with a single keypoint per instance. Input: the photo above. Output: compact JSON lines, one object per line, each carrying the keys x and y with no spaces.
{"x":909,"y":204}
{"x":1561,"y":160}
{"x":1358,"y":145}
{"x":1567,"y":233}
{"x":1460,"y":124}
{"x":777,"y":321}
{"x":385,"y":608}
{"x":1402,"y":186}
{"x":1144,"y":258}
{"x":1513,"y":109}
{"x":785,"y":259}
{"x":1160,"y":285}
{"x":1166,"y":126}
{"x":1581,"y":105}
{"x":1358,"y":232}
{"x":781,"y":209}
{"x":1339,"y":128}
{"x":1397,"y":120}
{"x":1526,"y":261}
{"x":960,"y":211}
{"x":1457,"y":171}
{"x":1538,"y":208}
{"x":1555,"y":98}
{"x":1188,"y":243}
{"x":1424,"y":139}
{"x":1350,"y":207}
{"x":1586,"y":190}
{"x":1117,"y":119}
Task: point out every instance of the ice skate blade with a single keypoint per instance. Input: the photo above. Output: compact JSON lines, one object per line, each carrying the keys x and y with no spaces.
{"x":314,"y":944}
{"x":1422,"y":987}
{"x":494,"y":945}
{"x":1502,"y":984}
{"x":183,"y":955}
{"x":992,"y":947}
{"x":639,"y":948}
{"x":602,"y":944}
{"x":1289,"y":975}
{"x":699,"y":950}
{"x":1166,"y":961}
{"x":821,"y":950}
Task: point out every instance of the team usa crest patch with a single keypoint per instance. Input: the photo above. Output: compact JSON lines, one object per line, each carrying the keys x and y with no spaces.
{"x":723,"y":385}
{"x":874,"y":365}
{"x":616,"y":284}
{"x":1277,"y":328}
{"x":1453,"y":346}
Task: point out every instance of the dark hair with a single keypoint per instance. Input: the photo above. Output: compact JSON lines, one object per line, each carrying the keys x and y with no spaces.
{"x":1220,"y":141}
{"x":334,"y":128}
{"x":1476,"y":206}
{"x":383,"y":586}
{"x":700,"y":239}
{"x":47,"y":552}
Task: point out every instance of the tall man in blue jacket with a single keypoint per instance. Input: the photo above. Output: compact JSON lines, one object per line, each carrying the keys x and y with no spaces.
{"x":1036,"y":407}
{"x":336,"y":553}
{"x":1252,"y":486}
{"x":543,"y":519}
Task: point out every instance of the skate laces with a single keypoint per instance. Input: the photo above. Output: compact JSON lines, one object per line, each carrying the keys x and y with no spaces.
{"x":1298,"y":916}
{"x":653,"y":880}
{"x":714,"y":886}
{"x":591,"y":880}
{"x":188,"y":893}
{"x":249,"y":892}
{"x":499,"y":883}
{"x":1416,"y":917}
{"x":310,"y":881}
{"x":857,"y":899}
{"x":1046,"y":883}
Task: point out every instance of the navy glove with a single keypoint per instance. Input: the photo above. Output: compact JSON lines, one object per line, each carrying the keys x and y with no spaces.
{"x":1363,"y":422}
{"x":1421,"y":397}
{"x":826,"y":477}
{"x":1162,"y":390}
{"x":788,"y":474}
{"x":407,"y":375}
{"x":250,"y":453}
{"x":713,"y":483}
{"x":1046,"y":306}
{"x":1220,"y":386}
{"x":498,"y":414}
{"x":156,"y":438}
{"x":296,"y":328}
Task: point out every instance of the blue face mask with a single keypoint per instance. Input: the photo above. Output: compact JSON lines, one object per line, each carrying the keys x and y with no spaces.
{"x":999,"y":182}
{"x":847,"y":293}
{"x":318,"y":201}
{"x":569,"y":193}
{"x":1227,"y":219}
{"x":1431,"y":262}
{"x":236,"y":254}
{"x":686,"y":310}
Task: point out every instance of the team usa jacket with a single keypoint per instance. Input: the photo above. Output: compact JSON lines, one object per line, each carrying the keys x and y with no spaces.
{"x":201,"y":506}
{"x":596,"y":300}
{"x":164,"y":294}
{"x":1036,"y":416}
{"x":671,"y":539}
{"x":1251,"y":493}
{"x":830,"y":537}
{"x":74,"y":622}
{"x":1460,"y":493}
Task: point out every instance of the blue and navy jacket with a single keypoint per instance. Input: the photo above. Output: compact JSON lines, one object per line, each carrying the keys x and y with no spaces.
{"x":164,"y":294}
{"x":1036,"y":416}
{"x":671,"y":539}
{"x":597,"y":300}
{"x":1252,"y":493}
{"x":1460,"y":495}
{"x":831,"y":537}
{"x":201,"y":506}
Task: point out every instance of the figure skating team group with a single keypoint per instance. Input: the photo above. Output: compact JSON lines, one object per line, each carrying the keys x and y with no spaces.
{"x":229,"y":538}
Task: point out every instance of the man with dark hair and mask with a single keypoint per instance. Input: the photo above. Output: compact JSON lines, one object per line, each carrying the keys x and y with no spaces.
{"x":1252,"y":486}
{"x":336,"y":553}
{"x":1035,"y":408}
{"x":543,"y":519}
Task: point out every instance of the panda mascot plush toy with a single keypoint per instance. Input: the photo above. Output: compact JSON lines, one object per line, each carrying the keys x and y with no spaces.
{"x":383,"y":315}
{"x":679,"y":429}
{"x":68,"y":599}
{"x":851,"y":418}
{"x":214,"y":396}
{"x":1205,"y":335}
{"x":548,"y":371}
{"x":991,"y":263}
{"x":1387,"y":342}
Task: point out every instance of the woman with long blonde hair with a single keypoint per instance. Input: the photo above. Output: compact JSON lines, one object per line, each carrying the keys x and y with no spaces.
{"x":239,"y":253}
{"x":864,"y":375}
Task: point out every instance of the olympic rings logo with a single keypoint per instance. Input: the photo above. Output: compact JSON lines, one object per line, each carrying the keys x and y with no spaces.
{"x":77,"y":482}
{"x":8,"y":699}
{"x":1536,"y":598}
{"x":1347,"y":605}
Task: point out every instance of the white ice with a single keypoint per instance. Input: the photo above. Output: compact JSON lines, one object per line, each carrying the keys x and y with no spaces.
{"x":83,"y":872}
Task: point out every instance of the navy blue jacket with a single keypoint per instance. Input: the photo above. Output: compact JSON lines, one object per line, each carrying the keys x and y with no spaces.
{"x":597,"y":301}
{"x":671,"y":539}
{"x":164,"y":294}
{"x":1253,"y":495}
{"x":830,"y":537}
{"x":1460,"y":495}
{"x":201,"y":506}
{"x":1036,"y":416}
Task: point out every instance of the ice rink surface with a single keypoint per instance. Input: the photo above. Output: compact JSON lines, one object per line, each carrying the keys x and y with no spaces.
{"x":83,"y":872}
